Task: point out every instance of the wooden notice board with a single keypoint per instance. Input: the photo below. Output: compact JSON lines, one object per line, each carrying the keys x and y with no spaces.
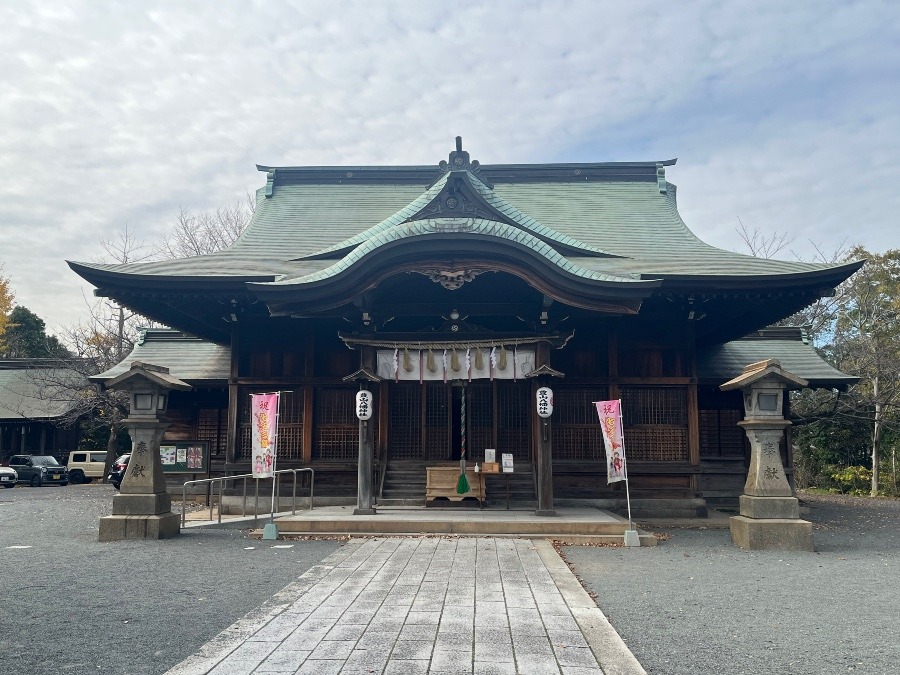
{"x":185,"y":457}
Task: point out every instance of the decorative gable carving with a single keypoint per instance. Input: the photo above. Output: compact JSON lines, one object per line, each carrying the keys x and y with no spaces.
{"x":459,"y":199}
{"x":450,"y":279}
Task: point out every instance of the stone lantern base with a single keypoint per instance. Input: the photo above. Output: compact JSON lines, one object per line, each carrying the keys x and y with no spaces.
{"x":162,"y":526}
{"x":771,"y":523}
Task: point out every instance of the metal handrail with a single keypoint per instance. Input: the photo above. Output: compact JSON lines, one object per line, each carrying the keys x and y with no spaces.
{"x":244,"y":476}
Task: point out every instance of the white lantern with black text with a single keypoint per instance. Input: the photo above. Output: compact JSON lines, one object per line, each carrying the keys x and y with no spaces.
{"x":544,"y":402}
{"x":364,"y":404}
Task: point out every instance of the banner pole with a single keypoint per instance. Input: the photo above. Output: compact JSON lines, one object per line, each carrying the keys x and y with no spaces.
{"x":632,"y":538}
{"x":625,"y":464}
{"x":275,"y":457}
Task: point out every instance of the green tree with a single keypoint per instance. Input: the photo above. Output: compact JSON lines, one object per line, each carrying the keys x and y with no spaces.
{"x":866,"y":343}
{"x":25,"y":337}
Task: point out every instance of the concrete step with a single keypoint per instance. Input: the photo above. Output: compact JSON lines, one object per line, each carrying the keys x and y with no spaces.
{"x":543,"y":528}
{"x":401,"y":501}
{"x":418,"y":496}
{"x":645,"y":538}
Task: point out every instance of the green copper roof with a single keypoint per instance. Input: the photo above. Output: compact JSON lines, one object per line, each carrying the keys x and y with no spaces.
{"x":187,"y":358}
{"x":502,"y":211}
{"x":720,"y":363}
{"x":477,"y":227}
{"x":631,"y":220}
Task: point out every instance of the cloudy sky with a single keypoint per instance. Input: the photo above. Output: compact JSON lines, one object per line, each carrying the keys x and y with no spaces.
{"x":783,"y":114}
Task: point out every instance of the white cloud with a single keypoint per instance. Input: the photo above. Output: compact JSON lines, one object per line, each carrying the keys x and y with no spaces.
{"x":782,"y":114}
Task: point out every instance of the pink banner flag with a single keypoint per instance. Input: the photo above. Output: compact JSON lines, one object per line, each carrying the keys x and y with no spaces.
{"x":611,"y":424}
{"x":264,"y":412}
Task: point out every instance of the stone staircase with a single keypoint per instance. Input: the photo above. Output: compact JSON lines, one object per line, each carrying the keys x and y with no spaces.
{"x":404,"y":484}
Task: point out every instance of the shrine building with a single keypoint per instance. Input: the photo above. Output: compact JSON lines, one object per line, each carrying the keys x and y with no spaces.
{"x":454,"y":291}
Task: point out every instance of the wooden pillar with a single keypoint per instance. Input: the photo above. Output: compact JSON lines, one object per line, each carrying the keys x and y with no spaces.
{"x":693,"y":409}
{"x":613,"y":361}
{"x":693,"y":435}
{"x":544,"y":463}
{"x":364,"y":472}
{"x":309,"y":371}
{"x":308,"y":420}
{"x":232,"y":437}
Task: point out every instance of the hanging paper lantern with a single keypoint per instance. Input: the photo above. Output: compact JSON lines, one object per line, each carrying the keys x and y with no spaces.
{"x":364,"y":404}
{"x":544,"y":402}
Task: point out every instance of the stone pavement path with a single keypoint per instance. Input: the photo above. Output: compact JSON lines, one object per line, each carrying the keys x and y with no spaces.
{"x":423,"y":605}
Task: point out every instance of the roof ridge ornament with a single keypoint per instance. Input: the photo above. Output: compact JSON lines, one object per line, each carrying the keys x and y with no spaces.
{"x":459,"y":160}
{"x":661,"y":178}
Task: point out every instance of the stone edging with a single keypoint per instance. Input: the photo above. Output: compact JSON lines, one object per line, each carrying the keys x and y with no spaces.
{"x":611,"y":652}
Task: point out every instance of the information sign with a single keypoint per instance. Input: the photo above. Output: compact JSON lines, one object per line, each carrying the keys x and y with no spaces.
{"x":185,"y":457}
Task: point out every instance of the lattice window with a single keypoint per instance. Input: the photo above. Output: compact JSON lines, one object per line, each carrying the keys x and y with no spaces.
{"x":514,"y":419}
{"x":290,"y":424}
{"x":212,"y":428}
{"x":655,"y":423}
{"x":405,"y":430}
{"x":480,"y":418}
{"x":654,"y":405}
{"x":336,"y":428}
{"x":576,"y":428}
{"x":437,"y":421}
{"x":719,"y":434}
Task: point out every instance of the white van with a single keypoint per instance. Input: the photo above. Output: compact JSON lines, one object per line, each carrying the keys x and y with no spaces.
{"x":86,"y":465}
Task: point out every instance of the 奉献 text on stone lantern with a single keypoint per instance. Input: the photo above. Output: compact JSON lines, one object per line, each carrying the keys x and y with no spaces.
{"x":143,"y":507}
{"x":769,"y":512}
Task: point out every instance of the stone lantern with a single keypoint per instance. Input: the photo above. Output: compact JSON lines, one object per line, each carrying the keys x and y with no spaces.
{"x":769,"y":512}
{"x":143,"y":507}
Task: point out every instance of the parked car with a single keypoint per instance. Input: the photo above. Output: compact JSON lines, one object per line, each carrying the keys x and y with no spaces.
{"x":39,"y":470}
{"x":8,"y":477}
{"x":117,"y":473}
{"x":86,"y":465}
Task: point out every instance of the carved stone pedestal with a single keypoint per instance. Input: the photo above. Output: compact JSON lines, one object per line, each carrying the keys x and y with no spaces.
{"x":783,"y":534}
{"x":770,"y":514}
{"x":117,"y":528}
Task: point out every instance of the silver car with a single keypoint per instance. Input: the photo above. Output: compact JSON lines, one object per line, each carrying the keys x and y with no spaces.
{"x":8,"y":477}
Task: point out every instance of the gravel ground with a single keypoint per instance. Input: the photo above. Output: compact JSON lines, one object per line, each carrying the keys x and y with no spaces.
{"x":697,"y":604}
{"x":71,"y":604}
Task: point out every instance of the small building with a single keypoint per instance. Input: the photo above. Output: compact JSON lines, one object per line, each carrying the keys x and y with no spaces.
{"x":36,"y":399}
{"x":454,"y":291}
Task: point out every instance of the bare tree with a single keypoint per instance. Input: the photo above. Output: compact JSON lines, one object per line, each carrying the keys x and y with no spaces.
{"x":206,"y":232}
{"x":762,"y":245}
